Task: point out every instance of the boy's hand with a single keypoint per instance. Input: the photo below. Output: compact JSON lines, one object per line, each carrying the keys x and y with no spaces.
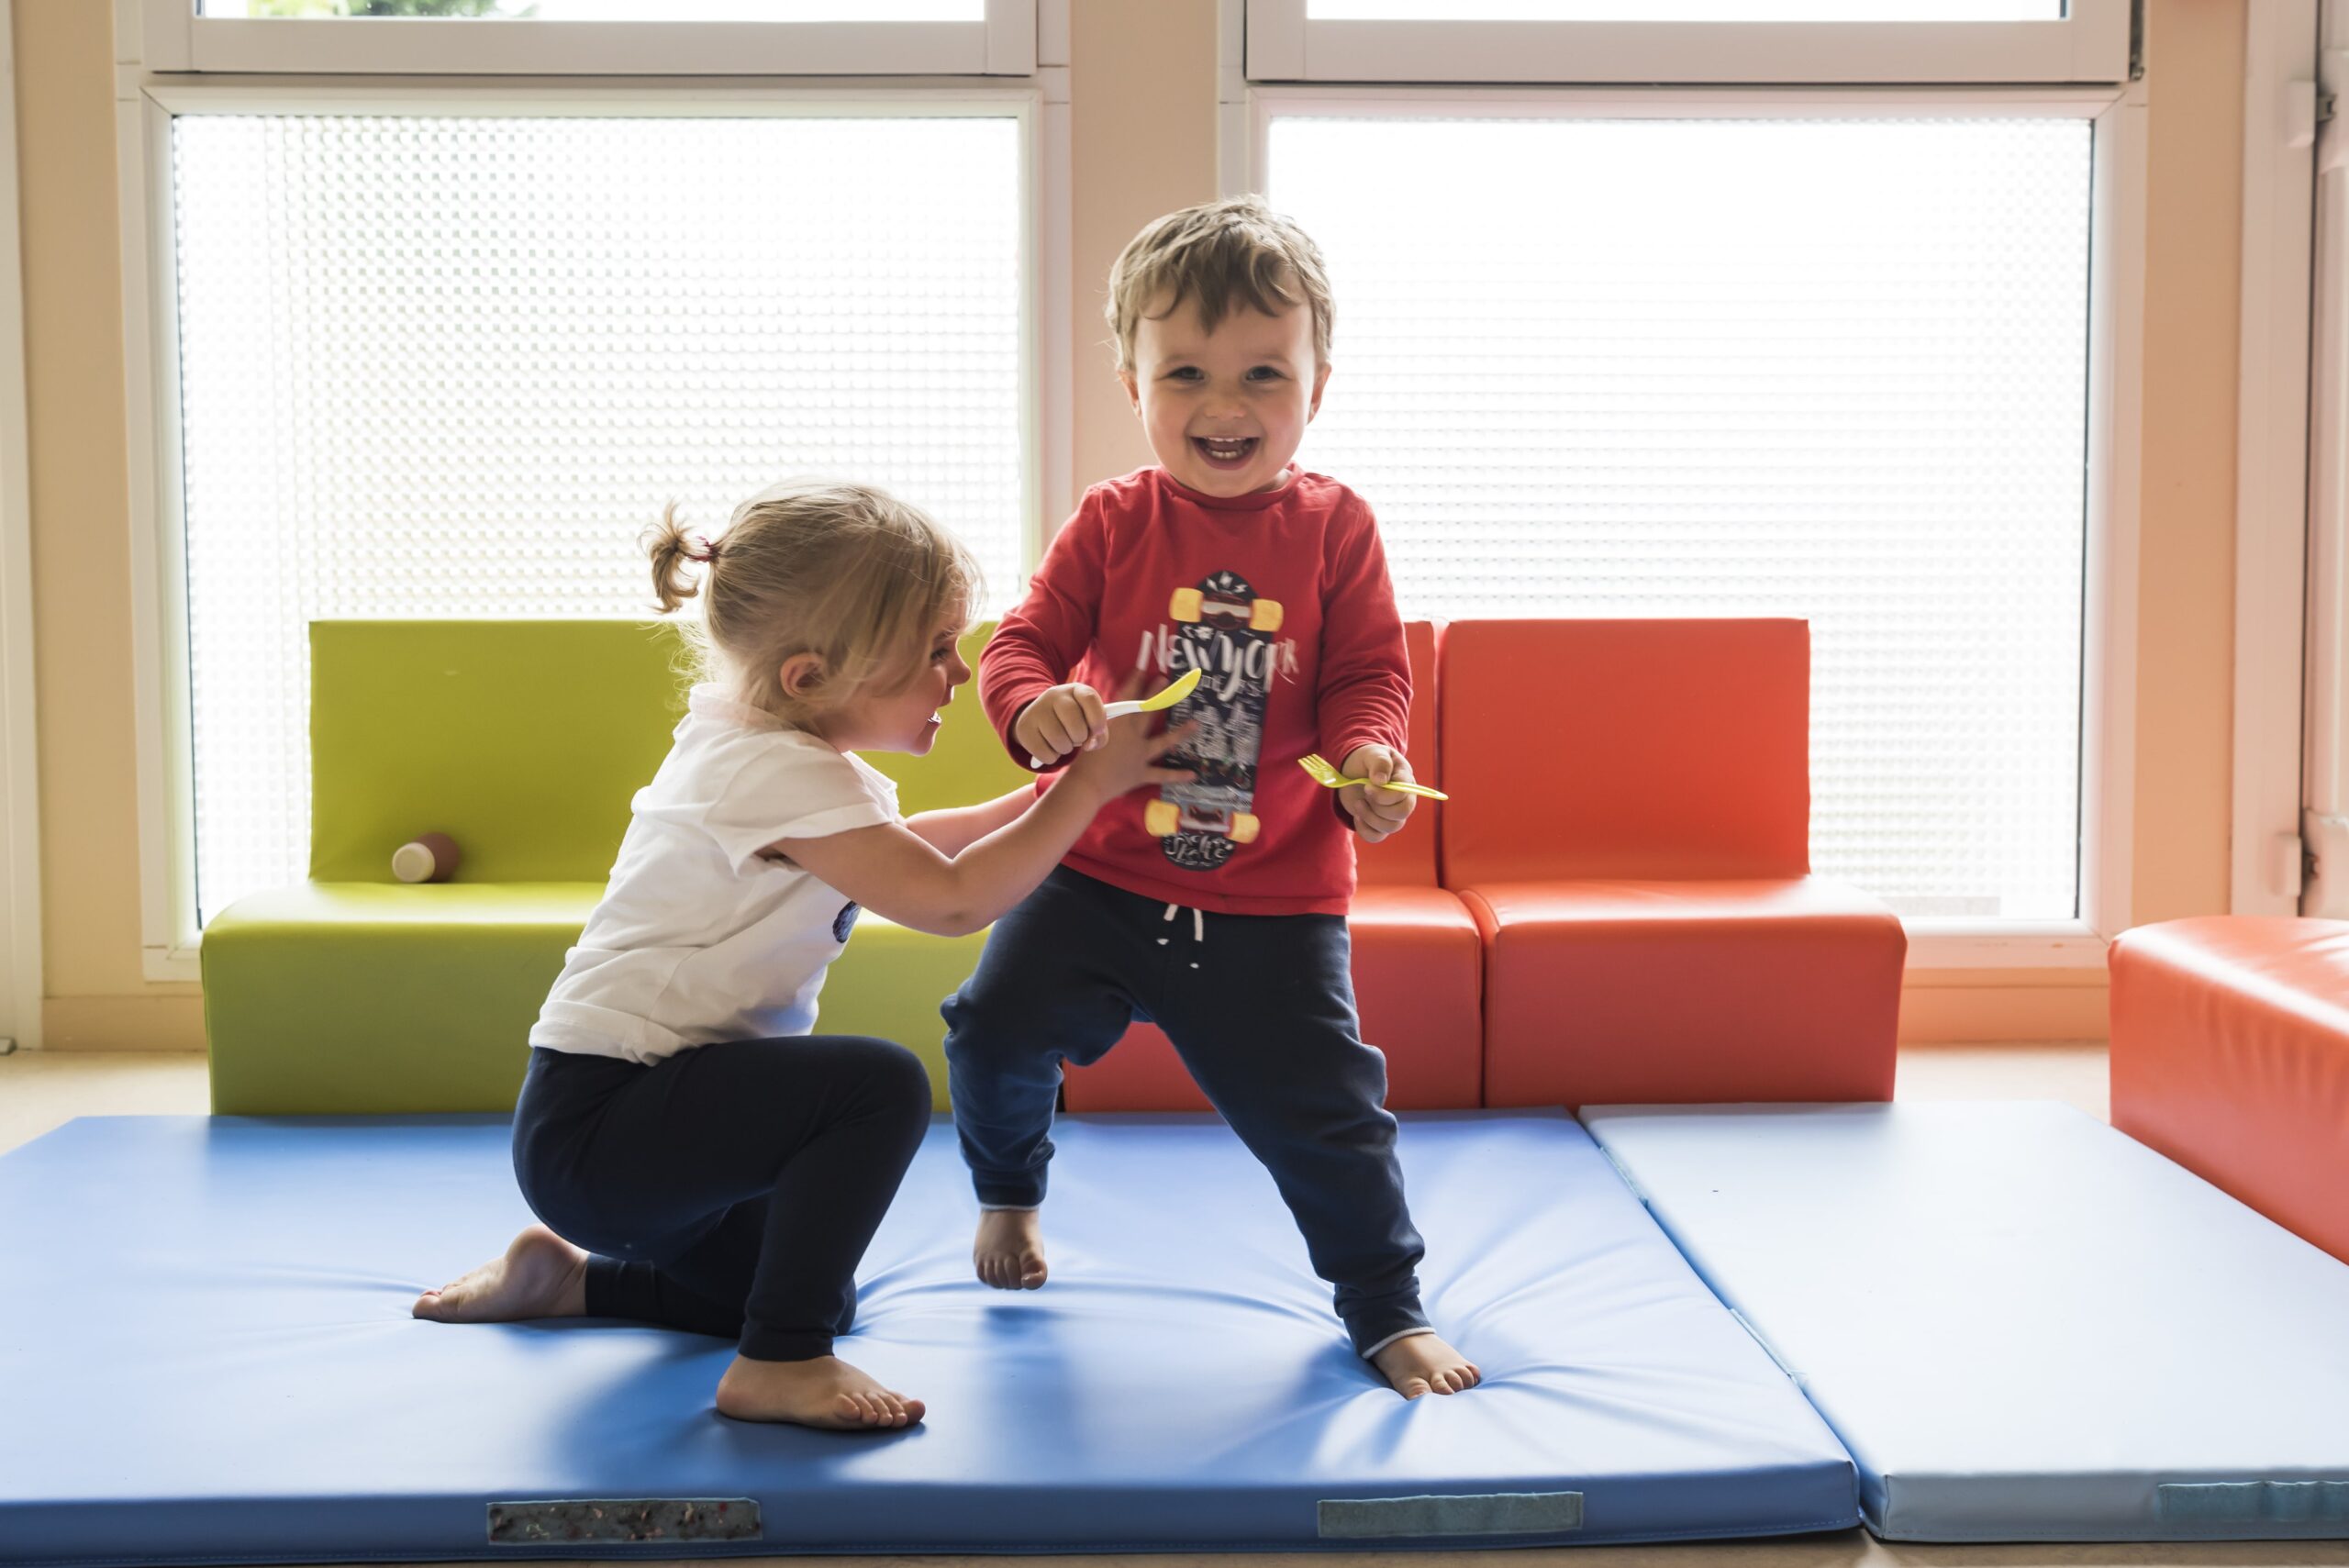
{"x":1128,"y":757}
{"x":1377,"y":812}
{"x":1064,"y":720}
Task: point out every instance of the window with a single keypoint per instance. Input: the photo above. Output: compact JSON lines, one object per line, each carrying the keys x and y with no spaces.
{"x":1738,"y":41}
{"x":1748,"y":11}
{"x":604,"y":10}
{"x":451,"y":365}
{"x":1834,"y":368}
{"x":800,"y":37}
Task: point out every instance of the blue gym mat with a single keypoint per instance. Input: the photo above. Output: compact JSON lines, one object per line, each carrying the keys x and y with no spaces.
{"x":2024,"y":1325}
{"x":206,"y":1355}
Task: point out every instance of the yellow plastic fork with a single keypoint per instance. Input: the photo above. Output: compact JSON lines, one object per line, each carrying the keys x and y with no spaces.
{"x":1324,"y":774}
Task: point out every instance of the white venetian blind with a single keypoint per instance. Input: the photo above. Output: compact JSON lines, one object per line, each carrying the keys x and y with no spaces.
{"x":454,"y":366}
{"x":1827,"y":369}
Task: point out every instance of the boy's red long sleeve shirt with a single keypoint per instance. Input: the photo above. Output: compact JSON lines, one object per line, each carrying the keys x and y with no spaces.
{"x":1281,"y":600}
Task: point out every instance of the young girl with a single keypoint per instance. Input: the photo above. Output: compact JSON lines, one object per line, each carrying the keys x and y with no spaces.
{"x":699,"y":1158}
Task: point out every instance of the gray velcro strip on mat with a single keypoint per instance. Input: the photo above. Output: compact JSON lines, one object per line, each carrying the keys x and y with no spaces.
{"x":623,"y":1518}
{"x":2247,"y":1502}
{"x":1491,"y":1513}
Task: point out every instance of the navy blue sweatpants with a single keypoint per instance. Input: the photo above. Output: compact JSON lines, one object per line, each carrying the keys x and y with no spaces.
{"x":1261,"y":1008}
{"x":729,"y":1189}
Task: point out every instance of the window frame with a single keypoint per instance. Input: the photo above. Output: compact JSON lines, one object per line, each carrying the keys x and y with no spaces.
{"x":174,"y":40}
{"x":171,"y":934}
{"x":20,"y":904}
{"x":2325,"y":765}
{"x":2116,"y":290}
{"x":2092,"y":43}
{"x":2275,"y":464}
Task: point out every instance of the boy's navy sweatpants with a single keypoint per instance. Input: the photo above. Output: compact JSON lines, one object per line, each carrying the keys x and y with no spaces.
{"x":729,"y":1189}
{"x":1261,"y":1008}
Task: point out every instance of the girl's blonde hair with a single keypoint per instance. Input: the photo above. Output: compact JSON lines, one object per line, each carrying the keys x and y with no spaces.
{"x":845,"y":572}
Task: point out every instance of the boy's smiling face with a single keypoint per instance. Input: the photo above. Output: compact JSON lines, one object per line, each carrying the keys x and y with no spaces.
{"x":1225,"y":410}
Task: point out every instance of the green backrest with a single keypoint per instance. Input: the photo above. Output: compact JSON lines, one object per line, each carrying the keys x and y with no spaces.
{"x":521,"y":739}
{"x":524,"y":741}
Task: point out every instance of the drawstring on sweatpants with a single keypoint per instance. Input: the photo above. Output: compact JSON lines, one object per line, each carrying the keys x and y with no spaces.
{"x":1198,"y":927}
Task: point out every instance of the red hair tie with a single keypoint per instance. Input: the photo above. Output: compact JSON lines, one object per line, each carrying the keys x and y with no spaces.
{"x":709,"y":551}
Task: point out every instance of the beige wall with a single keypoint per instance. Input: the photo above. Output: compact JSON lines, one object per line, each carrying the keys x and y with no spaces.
{"x":1143,"y":88}
{"x":73,"y":374}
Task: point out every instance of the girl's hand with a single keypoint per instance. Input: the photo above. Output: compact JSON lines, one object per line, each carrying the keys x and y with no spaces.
{"x":1377,"y":813}
{"x":1126,"y":758}
{"x":1064,"y":720}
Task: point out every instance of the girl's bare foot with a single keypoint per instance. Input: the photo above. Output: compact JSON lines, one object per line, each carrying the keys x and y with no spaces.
{"x":824,"y":1392}
{"x":1423,"y":1363}
{"x":1009,"y":1250}
{"x":541,"y":1275}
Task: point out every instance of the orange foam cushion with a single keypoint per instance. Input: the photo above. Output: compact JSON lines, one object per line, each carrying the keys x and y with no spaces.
{"x":1417,"y":963}
{"x":1625,"y":993}
{"x":2231,"y":1055}
{"x":1625,"y":748}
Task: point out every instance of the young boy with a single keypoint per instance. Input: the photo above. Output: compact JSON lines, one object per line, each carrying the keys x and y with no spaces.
{"x":1217,"y":908}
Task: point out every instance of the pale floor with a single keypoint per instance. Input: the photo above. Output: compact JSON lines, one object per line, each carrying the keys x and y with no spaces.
{"x":40,"y":1091}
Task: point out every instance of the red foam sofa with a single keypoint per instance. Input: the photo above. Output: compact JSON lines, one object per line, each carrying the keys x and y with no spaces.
{"x":1616,"y":907}
{"x":2231,"y":1055}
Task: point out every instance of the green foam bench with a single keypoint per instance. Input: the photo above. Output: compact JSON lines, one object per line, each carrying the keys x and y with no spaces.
{"x":524,"y":742}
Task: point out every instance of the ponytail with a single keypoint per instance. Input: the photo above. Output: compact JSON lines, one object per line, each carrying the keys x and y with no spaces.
{"x":665,"y":542}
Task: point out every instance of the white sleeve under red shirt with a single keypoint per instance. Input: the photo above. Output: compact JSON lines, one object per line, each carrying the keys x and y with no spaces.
{"x":1281,"y":600}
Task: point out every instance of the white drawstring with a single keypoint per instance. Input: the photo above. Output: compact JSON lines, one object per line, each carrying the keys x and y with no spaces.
{"x":1199,"y":926}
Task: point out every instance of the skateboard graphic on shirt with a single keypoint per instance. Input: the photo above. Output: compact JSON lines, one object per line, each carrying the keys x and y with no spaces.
{"x":1226,"y":633}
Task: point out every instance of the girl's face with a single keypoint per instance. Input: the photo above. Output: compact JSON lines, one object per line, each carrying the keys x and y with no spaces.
{"x":906,"y":719}
{"x":1225,"y":410}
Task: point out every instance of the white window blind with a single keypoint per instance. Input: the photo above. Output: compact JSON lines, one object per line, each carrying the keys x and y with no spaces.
{"x":1827,"y":369}
{"x":436,"y":366}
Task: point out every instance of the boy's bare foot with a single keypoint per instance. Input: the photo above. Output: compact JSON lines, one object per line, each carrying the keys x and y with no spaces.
{"x":824,"y":1392}
{"x":541,"y":1275}
{"x":1423,"y":1363}
{"x":1009,"y":1250}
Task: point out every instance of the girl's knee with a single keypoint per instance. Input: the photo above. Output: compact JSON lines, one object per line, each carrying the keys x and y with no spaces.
{"x":898,"y":1076}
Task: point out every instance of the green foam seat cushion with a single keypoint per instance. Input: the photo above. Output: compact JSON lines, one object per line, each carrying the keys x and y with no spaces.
{"x":523,"y":741}
{"x":356,"y":997}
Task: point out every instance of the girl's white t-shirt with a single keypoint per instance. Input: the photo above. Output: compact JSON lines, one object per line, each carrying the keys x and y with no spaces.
{"x":697,"y":939}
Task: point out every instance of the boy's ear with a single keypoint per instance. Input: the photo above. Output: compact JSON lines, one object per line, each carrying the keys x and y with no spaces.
{"x":1321,"y":380}
{"x":1133,"y":391}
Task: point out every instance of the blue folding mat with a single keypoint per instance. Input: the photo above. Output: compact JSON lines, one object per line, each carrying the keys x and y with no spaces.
{"x":2024,"y":1325}
{"x":206,"y":1355}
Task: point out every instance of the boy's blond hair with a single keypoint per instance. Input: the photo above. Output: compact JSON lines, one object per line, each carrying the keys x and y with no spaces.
{"x":846,"y":572}
{"x":1222,"y":254}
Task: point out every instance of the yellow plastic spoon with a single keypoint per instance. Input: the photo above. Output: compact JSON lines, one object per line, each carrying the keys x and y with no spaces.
{"x":1166,"y":697}
{"x":1323,"y":774}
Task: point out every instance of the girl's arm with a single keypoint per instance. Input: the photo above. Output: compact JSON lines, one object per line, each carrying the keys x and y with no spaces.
{"x":894,"y":872}
{"x":952,"y":831}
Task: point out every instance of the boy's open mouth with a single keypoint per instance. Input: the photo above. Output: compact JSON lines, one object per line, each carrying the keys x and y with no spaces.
{"x":1222,"y":454}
